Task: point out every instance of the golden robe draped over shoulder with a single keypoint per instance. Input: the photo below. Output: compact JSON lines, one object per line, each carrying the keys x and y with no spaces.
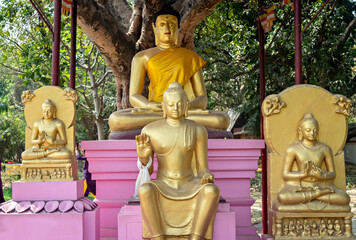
{"x":175,"y":64}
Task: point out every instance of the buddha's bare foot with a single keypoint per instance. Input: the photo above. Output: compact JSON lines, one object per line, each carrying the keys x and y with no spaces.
{"x":323,"y":191}
{"x":195,"y":237}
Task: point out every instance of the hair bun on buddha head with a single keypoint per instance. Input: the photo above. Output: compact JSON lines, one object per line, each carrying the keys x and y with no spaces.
{"x":166,"y":10}
{"x":175,"y":87}
{"x":309,"y":117}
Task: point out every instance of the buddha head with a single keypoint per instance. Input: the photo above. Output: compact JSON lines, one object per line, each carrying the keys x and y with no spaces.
{"x":48,"y":109}
{"x":308,"y":128}
{"x":175,"y":101}
{"x":166,"y":26}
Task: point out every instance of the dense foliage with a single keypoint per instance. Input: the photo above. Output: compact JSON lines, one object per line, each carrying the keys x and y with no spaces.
{"x":228,"y":41}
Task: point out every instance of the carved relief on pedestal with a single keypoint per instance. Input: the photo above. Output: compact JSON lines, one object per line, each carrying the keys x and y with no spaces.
{"x":312,"y":228}
{"x":47,"y":174}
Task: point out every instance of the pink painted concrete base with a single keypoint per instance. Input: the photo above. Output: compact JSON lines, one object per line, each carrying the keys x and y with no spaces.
{"x":46,"y":191}
{"x":113,"y":166}
{"x":266,"y":237}
{"x":130,"y":223}
{"x":43,"y":226}
{"x":77,"y":218}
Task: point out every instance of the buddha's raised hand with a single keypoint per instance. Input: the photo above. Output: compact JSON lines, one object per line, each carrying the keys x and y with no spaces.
{"x":144,"y":148}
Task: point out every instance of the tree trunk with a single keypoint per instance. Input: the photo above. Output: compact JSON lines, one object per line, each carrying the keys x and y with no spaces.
{"x":119,"y":31}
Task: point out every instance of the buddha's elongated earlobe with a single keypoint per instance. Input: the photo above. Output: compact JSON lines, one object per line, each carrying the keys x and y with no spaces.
{"x":300,"y":135}
{"x":164,"y":112}
{"x":154,"y":31}
{"x":186,"y":110}
{"x":176,"y":37}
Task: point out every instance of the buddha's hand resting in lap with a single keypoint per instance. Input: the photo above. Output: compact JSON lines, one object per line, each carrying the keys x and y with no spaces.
{"x":155,"y":106}
{"x":144,"y":148}
{"x":207,"y":178}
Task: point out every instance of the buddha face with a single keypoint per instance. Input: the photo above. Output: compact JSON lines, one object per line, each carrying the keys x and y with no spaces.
{"x":174,"y":105}
{"x":47,"y":111}
{"x":166,"y":29}
{"x":309,"y":130}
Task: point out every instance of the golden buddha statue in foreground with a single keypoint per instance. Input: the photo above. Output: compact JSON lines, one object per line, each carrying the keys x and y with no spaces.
{"x":310,"y":182}
{"x":182,"y":201}
{"x":48,"y":137}
{"x":163,"y":65}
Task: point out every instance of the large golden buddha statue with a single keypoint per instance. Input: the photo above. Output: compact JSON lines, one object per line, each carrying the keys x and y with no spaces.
{"x":163,"y":65}
{"x":305,"y":130}
{"x":183,"y":200}
{"x":50,"y":115}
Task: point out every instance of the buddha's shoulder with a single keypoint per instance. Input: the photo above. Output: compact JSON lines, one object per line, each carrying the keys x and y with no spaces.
{"x":324,"y":147}
{"x":154,"y":126}
{"x":146,"y":54}
{"x":294,"y":146}
{"x":200,"y":129}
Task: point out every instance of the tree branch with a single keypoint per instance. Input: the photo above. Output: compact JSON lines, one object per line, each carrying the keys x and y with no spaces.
{"x":346,"y":34}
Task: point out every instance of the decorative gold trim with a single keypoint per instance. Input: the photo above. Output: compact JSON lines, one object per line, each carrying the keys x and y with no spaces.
{"x":343,"y":103}
{"x":70,"y":94}
{"x":27,"y":96}
{"x":273,"y":105}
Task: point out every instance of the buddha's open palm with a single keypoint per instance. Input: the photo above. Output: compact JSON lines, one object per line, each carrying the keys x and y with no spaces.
{"x":144,"y":148}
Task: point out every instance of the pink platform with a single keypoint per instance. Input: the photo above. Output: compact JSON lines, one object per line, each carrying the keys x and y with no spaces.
{"x":71,"y":190}
{"x":62,"y":213}
{"x":130,"y":223}
{"x":113,"y":166}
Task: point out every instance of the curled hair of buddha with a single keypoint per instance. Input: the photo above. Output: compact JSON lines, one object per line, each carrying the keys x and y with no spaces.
{"x":49,"y":103}
{"x":308,"y":117}
{"x":166,"y":10}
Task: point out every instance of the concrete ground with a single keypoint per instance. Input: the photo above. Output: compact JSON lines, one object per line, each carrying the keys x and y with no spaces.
{"x":256,"y":210}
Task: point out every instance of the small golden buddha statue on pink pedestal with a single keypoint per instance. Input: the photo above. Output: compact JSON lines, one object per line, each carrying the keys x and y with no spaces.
{"x":306,"y":171}
{"x":49,"y":139}
{"x":183,"y":200}
{"x":163,"y":65}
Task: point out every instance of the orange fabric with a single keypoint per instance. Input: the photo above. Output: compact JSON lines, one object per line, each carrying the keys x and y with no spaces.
{"x":175,"y":64}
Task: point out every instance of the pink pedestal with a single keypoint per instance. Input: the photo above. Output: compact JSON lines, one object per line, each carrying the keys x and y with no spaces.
{"x":46,"y":191}
{"x":266,"y":237}
{"x":62,"y":213}
{"x":130,"y":223}
{"x":113,"y":166}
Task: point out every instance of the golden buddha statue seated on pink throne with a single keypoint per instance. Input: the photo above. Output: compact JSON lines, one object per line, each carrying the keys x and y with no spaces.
{"x":163,"y":65}
{"x":305,"y":131}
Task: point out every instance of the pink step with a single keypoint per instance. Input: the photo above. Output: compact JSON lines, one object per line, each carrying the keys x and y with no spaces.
{"x":130,"y":223}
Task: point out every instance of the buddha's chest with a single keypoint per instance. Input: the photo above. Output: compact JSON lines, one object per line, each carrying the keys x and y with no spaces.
{"x":50,"y":130}
{"x":317,"y":157}
{"x":173,"y":141}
